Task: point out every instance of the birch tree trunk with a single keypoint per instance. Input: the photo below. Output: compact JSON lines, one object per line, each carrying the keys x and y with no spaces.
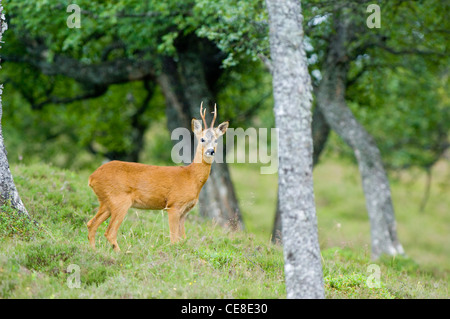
{"x":320,"y":133}
{"x":8,"y":192}
{"x":331,"y":100}
{"x":292,"y":93}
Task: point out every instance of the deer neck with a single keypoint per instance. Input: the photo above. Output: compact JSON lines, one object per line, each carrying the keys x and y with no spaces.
{"x":199,"y":168}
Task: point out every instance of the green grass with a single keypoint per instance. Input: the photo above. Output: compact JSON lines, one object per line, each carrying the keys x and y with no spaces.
{"x":16,"y":225}
{"x":37,"y":260}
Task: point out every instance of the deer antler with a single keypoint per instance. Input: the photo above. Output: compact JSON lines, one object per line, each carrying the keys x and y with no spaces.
{"x":215,"y":115}
{"x":202,"y":114}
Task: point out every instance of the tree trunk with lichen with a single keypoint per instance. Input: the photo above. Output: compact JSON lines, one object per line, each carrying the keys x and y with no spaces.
{"x":292,"y":93}
{"x":331,"y":100}
{"x":8,"y":193}
{"x":320,"y":133}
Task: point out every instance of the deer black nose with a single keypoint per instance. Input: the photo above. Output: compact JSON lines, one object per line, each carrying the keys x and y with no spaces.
{"x":210,"y":152}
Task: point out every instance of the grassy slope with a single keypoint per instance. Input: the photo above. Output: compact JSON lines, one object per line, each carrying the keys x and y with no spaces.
{"x":213,"y":262}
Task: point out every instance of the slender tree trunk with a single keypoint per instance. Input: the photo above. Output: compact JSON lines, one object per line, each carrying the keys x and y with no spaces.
{"x":185,"y":85}
{"x":293,"y":100}
{"x":331,"y":100}
{"x":8,"y":192}
{"x":320,"y":133}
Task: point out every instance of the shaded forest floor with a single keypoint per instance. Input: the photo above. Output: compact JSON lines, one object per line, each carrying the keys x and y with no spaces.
{"x":44,"y":260}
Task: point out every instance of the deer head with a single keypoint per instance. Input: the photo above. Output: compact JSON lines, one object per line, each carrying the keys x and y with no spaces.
{"x":207,"y":137}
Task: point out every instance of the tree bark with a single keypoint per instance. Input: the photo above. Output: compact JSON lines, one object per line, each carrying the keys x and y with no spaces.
{"x":292,"y":93}
{"x":331,"y":100}
{"x":120,"y":70}
{"x":320,"y":133}
{"x":185,"y":84}
{"x":8,"y":191}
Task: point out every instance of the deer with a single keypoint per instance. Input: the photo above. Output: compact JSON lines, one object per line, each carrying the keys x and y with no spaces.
{"x":122,"y":185}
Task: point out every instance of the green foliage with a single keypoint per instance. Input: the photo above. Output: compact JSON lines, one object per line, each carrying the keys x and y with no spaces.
{"x":246,"y":93}
{"x":417,"y":121}
{"x":239,"y":28}
{"x":143,"y":24}
{"x":399,"y":93}
{"x":397,"y":84}
{"x":61,"y":133}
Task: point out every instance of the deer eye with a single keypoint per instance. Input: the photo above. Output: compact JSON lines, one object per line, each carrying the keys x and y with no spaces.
{"x":202,"y":140}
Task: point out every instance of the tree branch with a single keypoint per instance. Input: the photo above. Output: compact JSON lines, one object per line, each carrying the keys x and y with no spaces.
{"x":120,"y":70}
{"x":89,"y":94}
{"x":408,"y":51}
{"x":266,"y":61}
{"x":362,"y":49}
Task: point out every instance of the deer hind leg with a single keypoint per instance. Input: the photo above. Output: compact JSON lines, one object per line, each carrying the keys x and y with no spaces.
{"x":118,"y":212}
{"x":102,"y":215}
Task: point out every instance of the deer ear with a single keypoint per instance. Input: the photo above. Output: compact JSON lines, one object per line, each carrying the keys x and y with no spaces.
{"x":196,"y":126}
{"x":222,"y":128}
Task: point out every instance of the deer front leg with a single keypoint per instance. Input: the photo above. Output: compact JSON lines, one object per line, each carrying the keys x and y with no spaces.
{"x":183,"y":216}
{"x":174,"y":224}
{"x":181,"y":229}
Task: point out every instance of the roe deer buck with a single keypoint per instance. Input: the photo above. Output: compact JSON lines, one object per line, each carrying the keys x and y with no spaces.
{"x":121,"y":185}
